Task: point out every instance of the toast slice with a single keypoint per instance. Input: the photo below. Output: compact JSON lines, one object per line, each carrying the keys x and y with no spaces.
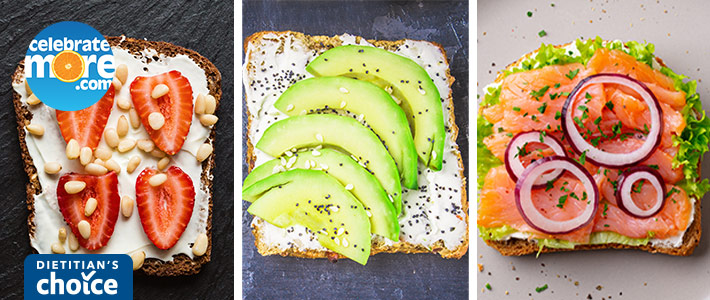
{"x":167,"y":265}
{"x":293,"y":51}
{"x":517,"y":247}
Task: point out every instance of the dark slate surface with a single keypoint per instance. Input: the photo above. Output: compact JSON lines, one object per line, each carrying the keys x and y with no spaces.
{"x":386,"y":276}
{"x":206,"y":27}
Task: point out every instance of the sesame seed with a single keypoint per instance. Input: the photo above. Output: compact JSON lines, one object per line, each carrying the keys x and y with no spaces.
{"x":342,"y":104}
{"x":319,"y":137}
{"x":349,"y":186}
{"x":369,"y":214}
{"x":315,"y":153}
{"x":344,"y":90}
{"x":289,"y":107}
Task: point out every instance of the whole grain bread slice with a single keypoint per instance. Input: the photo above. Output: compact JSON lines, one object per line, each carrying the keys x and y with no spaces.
{"x":181,"y":264}
{"x":322,"y":43}
{"x":515,"y":247}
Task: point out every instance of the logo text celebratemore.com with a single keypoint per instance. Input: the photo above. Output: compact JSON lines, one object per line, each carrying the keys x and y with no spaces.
{"x":38,"y":66}
{"x":74,"y":286}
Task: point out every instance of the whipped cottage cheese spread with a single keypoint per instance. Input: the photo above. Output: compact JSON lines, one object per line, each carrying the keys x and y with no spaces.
{"x":431,"y":213}
{"x":128,"y":235}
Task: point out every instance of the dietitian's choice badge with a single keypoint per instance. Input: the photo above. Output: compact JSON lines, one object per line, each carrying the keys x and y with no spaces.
{"x":78,"y":276}
{"x":69,"y":66}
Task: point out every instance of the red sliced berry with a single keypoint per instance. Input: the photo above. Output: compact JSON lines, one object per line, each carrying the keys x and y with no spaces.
{"x":165,"y":210}
{"x":87,"y":125}
{"x":176,"y":107}
{"x":104,"y":189}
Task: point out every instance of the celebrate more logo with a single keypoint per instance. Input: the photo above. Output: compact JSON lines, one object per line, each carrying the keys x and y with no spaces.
{"x":69,"y":66}
{"x":78,"y":276}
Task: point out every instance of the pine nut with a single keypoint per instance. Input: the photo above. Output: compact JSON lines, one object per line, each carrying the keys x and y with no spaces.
{"x":126,"y":145}
{"x":138,"y":259}
{"x":73,"y":242}
{"x":163,"y":163}
{"x":203,"y":152}
{"x":84,"y":229}
{"x":123,"y":102}
{"x":52,"y":167}
{"x":200,"y":246}
{"x":122,"y":73}
{"x":35,"y":129}
{"x":159,"y":91}
{"x":133,"y":117}
{"x":72,"y":149}
{"x":146,"y":145}
{"x":99,"y":162}
{"x":117,"y":84}
{"x":95,"y":169}
{"x":103,"y":153}
{"x":111,"y":137}
{"x":157,"y":179}
{"x":156,"y":120}
{"x":28,"y":90}
{"x":127,"y":206}
{"x":157,"y":153}
{"x":111,"y":165}
{"x":33,"y":100}
{"x":62,"y":235}
{"x":85,"y":156}
{"x":58,"y":248}
{"x":74,"y":187}
{"x":122,"y":126}
{"x":208,"y":120}
{"x":133,"y":163}
{"x":200,"y":104}
{"x":90,"y":206}
{"x":210,"y":104}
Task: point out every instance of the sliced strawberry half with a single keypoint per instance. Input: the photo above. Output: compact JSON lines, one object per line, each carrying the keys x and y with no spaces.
{"x":176,"y":107}
{"x":87,"y":125}
{"x":104,"y":189}
{"x":165,"y":210}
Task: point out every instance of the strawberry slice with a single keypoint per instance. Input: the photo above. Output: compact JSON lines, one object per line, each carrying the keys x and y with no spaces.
{"x":104,"y":189}
{"x":87,"y":125}
{"x":176,"y":107}
{"x":166,"y":209}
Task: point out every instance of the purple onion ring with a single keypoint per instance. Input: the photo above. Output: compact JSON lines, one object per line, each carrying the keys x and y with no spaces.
{"x":515,"y":168}
{"x":626,"y":182}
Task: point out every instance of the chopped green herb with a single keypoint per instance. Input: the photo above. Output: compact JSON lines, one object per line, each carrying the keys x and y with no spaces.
{"x":557,"y":85}
{"x":564,"y":94}
{"x":583,"y":108}
{"x":606,"y":225}
{"x":539,"y":93}
{"x":588,"y":96}
{"x":525,"y":114}
{"x":558,"y":115}
{"x":578,"y":122}
{"x":606,"y":207}
{"x":562,"y":200}
{"x":597,"y":120}
{"x":529,"y":14}
{"x":616,"y":129}
{"x":609,"y":105}
{"x":572,"y":74}
{"x":522,"y":151}
{"x":515,"y":108}
{"x":500,"y":129}
{"x":595,"y":141}
{"x":541,"y":288}
{"x":488,"y":286}
{"x":583,"y":157}
{"x":549,"y":185}
{"x":542,"y":33}
{"x":509,"y":134}
{"x":584,"y":195}
{"x":542,"y":108}
{"x":637,"y":189}
{"x":573,"y":195}
{"x":542,"y":138}
{"x":653,"y":167}
{"x":672,"y":191}
{"x":553,"y":96}
{"x":534,"y":118}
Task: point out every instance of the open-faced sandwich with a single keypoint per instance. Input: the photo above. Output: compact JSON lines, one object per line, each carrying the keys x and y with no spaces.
{"x":590,"y":145}
{"x":131,"y":174}
{"x":355,"y":147}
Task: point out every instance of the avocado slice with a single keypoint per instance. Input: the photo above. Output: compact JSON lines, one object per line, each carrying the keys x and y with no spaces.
{"x":318,"y":201}
{"x":336,"y":131}
{"x":361,"y":98}
{"x":366,"y":188}
{"x":408,"y":82}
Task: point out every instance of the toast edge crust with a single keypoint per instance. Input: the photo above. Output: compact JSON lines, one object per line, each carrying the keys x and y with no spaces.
{"x":319,"y":42}
{"x":181,"y":263}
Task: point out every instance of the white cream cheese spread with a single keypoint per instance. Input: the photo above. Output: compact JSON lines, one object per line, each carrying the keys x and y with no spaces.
{"x":128,"y":235}
{"x":430,"y":214}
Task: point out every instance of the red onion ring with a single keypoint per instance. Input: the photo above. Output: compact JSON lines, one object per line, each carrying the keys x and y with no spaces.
{"x":607,"y":159}
{"x":515,"y":168}
{"x":523,"y":195}
{"x":626,"y":182}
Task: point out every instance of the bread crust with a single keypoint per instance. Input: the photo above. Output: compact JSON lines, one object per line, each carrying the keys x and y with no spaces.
{"x":516,"y":247}
{"x":327,"y":42}
{"x":181,"y":263}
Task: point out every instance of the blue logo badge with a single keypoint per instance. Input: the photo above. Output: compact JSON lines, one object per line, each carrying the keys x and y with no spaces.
{"x":78,"y":276}
{"x":69,"y":66}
